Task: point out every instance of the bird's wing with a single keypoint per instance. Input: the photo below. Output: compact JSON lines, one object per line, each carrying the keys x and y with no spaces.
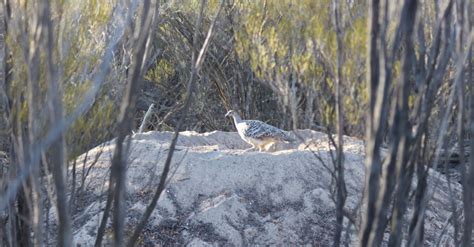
{"x":259,"y":130}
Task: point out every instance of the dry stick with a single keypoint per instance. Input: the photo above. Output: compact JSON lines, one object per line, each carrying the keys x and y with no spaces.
{"x":85,"y":173}
{"x":460,"y":131}
{"x":48,"y":187}
{"x":386,"y":184}
{"x":3,"y":96}
{"x":32,"y":184}
{"x":105,"y":215}
{"x":417,"y":140}
{"x":57,"y":147}
{"x":421,"y":173}
{"x":21,"y":228}
{"x":347,"y":214}
{"x":468,"y":211}
{"x":429,"y":194}
{"x":63,"y":124}
{"x":379,"y":77}
{"x":451,"y":193}
{"x":469,"y":177}
{"x":4,"y":112}
{"x":373,"y":159}
{"x":401,"y":136}
{"x":339,"y":164}
{"x":195,"y":67}
{"x":146,"y":117}
{"x":466,"y":173}
{"x":436,"y":65}
{"x":171,"y":112}
{"x":116,"y":192}
{"x":32,"y":59}
{"x":126,"y":118}
{"x":73,"y":186}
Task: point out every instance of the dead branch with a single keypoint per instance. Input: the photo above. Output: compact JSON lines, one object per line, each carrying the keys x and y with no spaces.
{"x":196,"y":66}
{"x":146,"y":118}
{"x":341,"y":193}
{"x":117,"y":187}
{"x":64,"y":123}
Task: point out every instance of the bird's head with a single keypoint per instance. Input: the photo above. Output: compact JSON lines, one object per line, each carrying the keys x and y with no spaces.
{"x":231,"y":113}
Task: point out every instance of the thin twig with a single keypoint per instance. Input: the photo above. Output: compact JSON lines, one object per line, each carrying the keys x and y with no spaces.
{"x":145,"y":118}
{"x":63,"y":124}
{"x":195,"y":67}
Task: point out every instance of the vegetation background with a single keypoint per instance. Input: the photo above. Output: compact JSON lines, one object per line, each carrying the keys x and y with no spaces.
{"x":77,"y":73}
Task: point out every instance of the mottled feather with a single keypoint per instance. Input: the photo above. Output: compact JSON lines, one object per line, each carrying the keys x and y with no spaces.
{"x":259,"y":130}
{"x":258,"y":133}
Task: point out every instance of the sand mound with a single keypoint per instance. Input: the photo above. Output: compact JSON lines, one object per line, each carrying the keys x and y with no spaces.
{"x":219,"y":194}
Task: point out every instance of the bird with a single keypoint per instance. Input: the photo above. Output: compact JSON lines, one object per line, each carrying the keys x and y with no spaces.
{"x":257,"y":133}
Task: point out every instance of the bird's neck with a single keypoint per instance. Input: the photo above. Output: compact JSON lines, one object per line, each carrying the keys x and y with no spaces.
{"x":237,"y":119}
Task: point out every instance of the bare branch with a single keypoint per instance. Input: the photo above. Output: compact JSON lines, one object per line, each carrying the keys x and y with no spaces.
{"x":64,"y":123}
{"x":441,"y":135}
{"x":339,"y":164}
{"x":190,"y":89}
{"x":145,"y":118}
{"x":56,"y":115}
{"x":117,"y":185}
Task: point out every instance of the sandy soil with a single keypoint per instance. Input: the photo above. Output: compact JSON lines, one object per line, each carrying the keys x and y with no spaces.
{"x":221,"y":195}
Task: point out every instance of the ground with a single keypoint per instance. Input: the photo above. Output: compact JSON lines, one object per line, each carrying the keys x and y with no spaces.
{"x":220,"y":195}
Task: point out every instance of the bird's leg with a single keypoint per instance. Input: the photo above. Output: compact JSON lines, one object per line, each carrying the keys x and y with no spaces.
{"x":256,"y":147}
{"x":269,"y":146}
{"x":249,"y":149}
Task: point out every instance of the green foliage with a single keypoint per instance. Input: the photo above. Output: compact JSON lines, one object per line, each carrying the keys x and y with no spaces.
{"x":279,"y":39}
{"x":79,"y":29}
{"x":92,"y":129}
{"x":260,"y":41}
{"x":87,"y":45}
{"x":162,"y":72}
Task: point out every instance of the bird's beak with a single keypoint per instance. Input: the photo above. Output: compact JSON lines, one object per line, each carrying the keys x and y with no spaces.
{"x":227,"y":114}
